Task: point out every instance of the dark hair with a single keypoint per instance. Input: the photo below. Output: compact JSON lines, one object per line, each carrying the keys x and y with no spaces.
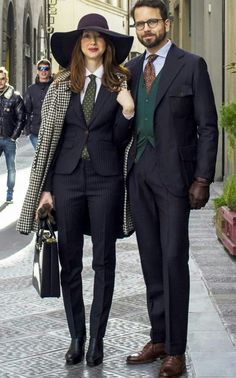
{"x":110,"y":77}
{"x":152,"y":4}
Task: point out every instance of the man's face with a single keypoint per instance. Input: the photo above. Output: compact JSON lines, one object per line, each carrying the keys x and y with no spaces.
{"x":44,"y":72}
{"x":3,"y":81}
{"x":152,"y":37}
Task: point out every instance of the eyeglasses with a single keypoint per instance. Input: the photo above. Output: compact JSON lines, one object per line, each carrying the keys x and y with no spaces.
{"x":43,"y":68}
{"x":152,"y":23}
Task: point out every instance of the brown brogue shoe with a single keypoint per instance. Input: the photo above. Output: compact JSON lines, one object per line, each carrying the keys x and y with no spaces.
{"x":172,"y":366}
{"x":149,"y":353}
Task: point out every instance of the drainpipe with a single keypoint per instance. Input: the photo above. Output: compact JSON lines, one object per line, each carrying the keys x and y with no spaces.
{"x":47,"y":24}
{"x":128,"y":27}
{"x":223,"y":84}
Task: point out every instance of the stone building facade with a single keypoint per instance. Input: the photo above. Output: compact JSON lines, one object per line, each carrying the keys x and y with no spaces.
{"x":207,"y":28}
{"x":22,"y":39}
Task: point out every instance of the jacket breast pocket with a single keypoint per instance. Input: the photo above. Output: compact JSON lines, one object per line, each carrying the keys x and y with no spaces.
{"x":181,"y":101}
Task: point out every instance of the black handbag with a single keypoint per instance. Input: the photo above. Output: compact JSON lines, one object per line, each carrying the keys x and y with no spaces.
{"x":45,"y":276}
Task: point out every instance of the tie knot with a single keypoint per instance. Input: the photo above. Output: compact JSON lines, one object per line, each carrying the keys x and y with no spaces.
{"x":92,"y":77}
{"x":151,"y":58}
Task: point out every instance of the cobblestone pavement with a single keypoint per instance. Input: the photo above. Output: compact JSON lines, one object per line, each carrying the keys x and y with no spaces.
{"x":34,"y":335}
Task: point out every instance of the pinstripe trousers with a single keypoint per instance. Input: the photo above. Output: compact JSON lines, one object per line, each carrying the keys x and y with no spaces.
{"x":78,"y":196}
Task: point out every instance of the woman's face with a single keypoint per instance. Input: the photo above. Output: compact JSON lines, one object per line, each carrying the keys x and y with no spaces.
{"x":93,"y":45}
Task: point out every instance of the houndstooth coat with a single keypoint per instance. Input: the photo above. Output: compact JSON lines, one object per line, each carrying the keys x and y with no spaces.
{"x":53,"y":114}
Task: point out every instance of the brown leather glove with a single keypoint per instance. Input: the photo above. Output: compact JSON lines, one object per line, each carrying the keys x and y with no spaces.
{"x":46,"y":212}
{"x":199,"y":193}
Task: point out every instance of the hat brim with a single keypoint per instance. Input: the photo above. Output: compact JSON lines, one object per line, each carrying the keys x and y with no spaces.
{"x":62,"y":44}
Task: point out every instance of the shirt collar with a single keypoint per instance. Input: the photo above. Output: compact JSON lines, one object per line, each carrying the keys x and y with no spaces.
{"x":98,"y":73}
{"x":162,"y":52}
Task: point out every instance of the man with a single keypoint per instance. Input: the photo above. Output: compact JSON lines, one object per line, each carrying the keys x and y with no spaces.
{"x":34,"y":99}
{"x":171,"y":165}
{"x":11,"y":123}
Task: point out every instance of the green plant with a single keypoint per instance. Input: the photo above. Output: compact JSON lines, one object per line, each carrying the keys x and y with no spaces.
{"x":228,"y":122}
{"x":228,"y":197}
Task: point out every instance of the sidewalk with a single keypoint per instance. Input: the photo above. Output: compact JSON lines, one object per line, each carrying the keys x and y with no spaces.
{"x":34,"y":336}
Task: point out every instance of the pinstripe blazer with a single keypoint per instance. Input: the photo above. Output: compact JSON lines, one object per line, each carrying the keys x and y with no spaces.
{"x":53,"y":114}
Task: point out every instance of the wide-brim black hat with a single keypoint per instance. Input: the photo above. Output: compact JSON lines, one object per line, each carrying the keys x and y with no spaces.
{"x":62,"y":44}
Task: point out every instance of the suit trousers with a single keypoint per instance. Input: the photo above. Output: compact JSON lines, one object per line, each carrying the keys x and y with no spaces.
{"x":161,"y":222}
{"x":78,"y":195}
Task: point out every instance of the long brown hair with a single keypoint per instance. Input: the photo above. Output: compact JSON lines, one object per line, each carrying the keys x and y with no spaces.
{"x":113,"y":75}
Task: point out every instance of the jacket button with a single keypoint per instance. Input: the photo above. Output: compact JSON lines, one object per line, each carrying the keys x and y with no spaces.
{"x":86,"y":132}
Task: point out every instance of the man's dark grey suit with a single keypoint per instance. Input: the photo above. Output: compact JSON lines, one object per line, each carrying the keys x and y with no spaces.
{"x":186,"y":137}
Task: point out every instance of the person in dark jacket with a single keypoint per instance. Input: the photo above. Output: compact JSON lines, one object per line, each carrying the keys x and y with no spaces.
{"x":34,"y":99}
{"x":77,"y":169}
{"x":12,"y":116}
{"x":171,"y":165}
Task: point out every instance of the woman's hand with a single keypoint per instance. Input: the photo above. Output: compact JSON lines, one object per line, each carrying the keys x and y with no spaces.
{"x":45,"y":199}
{"x":126,"y":101}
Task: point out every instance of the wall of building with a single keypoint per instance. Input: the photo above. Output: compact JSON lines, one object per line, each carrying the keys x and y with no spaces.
{"x":230,"y":78}
{"x":24,"y":17}
{"x":199,"y":30}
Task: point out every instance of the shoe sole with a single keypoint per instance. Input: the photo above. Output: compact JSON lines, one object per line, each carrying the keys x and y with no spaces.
{"x":145,"y":362}
{"x":95,"y":363}
{"x":173,"y":376}
{"x":75,"y":361}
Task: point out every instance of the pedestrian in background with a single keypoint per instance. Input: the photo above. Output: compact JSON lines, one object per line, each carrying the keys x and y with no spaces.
{"x":171,"y":165}
{"x":12,"y":116}
{"x":77,"y":169}
{"x":34,"y":97}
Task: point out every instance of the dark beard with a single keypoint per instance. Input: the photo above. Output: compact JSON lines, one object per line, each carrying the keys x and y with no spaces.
{"x":155,"y":43}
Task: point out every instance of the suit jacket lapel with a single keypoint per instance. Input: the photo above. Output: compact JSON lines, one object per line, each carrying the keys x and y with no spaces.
{"x":103,"y":96}
{"x":172,"y":66}
{"x":136,"y":72}
{"x":77,"y":107}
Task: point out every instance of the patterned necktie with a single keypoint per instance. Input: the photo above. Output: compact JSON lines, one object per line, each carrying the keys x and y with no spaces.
{"x":149,"y":72}
{"x":89,"y":98}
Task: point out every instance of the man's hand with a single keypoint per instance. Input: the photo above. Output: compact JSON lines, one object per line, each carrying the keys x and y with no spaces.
{"x":199,"y":193}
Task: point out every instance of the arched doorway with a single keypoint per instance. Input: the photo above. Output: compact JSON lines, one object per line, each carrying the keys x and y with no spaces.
{"x":27,"y":64}
{"x":9,"y":40}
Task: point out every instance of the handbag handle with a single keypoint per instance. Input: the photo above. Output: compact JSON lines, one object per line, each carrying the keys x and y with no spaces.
{"x":45,"y":230}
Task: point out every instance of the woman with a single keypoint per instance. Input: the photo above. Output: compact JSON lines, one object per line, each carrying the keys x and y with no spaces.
{"x":78,"y":169}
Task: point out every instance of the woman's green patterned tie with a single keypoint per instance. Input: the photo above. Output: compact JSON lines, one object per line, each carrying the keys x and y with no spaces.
{"x":89,"y":98}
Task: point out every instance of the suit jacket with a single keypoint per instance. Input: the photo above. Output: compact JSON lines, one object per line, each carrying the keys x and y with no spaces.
{"x":54,"y":111}
{"x":185,"y":120}
{"x":104,"y":136}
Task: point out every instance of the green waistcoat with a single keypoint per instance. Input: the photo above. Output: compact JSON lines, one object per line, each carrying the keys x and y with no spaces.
{"x":144,"y":115}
